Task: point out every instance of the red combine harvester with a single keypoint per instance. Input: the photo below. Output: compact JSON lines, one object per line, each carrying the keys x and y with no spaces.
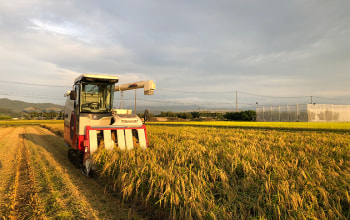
{"x":90,"y":120}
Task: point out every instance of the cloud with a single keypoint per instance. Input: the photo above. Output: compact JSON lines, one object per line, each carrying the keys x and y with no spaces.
{"x":295,"y":48}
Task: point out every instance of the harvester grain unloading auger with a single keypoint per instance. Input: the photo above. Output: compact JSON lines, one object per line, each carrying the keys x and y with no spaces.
{"x":90,"y":119}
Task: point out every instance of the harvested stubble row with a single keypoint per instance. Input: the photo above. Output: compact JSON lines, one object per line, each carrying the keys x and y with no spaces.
{"x":32,"y":183}
{"x":235,"y":173}
{"x":38,"y":182}
{"x":55,"y":128}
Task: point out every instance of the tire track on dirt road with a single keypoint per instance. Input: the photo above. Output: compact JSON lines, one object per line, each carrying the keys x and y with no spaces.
{"x":18,"y":191}
{"x":62,"y":196}
{"x":9,"y":148}
{"x":37,"y":180}
{"x":25,"y":203}
{"x":80,"y":196}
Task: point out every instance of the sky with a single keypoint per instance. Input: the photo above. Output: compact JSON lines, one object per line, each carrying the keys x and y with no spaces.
{"x":203,"y":53}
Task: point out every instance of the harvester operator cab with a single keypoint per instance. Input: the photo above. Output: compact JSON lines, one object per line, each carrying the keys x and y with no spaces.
{"x":93,"y":95}
{"x":96,"y":97}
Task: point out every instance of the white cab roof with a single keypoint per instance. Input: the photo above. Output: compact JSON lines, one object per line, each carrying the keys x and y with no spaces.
{"x":98,"y":77}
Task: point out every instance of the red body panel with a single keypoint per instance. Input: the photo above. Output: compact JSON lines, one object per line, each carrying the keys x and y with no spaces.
{"x":81,"y":142}
{"x":67,"y":130}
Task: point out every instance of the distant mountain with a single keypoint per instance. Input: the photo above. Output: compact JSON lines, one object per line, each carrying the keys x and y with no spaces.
{"x":19,"y":106}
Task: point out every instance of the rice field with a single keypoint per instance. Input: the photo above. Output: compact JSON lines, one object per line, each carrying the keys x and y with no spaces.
{"x":319,"y":126}
{"x":225,"y":173}
{"x":233,"y":171}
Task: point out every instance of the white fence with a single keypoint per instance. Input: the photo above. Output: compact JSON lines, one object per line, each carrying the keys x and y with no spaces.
{"x":304,"y":112}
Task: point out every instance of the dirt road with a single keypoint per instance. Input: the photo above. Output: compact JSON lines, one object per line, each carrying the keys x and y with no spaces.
{"x":38,"y":181}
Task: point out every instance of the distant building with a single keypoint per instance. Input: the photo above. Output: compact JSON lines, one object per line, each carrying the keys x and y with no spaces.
{"x":305,"y":113}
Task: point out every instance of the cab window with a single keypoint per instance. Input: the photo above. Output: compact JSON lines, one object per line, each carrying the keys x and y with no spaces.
{"x":96,"y":97}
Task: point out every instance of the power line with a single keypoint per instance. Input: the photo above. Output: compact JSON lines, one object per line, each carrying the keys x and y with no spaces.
{"x":183,"y":91}
{"x":159,"y":101}
{"x":230,"y":92}
{"x":269,"y":96}
{"x":171,"y":91}
{"x":184,"y":103}
{"x":33,"y":84}
{"x":32,"y":96}
{"x":194,"y":92}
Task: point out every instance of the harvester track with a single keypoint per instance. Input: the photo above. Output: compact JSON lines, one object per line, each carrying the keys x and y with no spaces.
{"x":37,"y":180}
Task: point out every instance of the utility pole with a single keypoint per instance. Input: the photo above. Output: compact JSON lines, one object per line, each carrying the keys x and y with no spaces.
{"x":135,"y":101}
{"x":121,"y":100}
{"x":311,"y":99}
{"x":236,"y":102}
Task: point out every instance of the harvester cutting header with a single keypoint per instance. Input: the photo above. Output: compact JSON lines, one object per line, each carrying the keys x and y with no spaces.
{"x":91,"y":121}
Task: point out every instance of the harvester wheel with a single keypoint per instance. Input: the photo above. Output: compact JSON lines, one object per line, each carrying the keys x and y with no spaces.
{"x":75,"y":158}
{"x":92,"y":173}
{"x":84,"y":171}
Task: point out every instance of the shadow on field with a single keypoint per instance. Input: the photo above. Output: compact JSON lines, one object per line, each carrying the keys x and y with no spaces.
{"x":51,"y":144}
{"x":0,"y":165}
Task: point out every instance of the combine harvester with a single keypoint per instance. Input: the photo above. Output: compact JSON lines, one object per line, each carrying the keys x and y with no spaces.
{"x":91,"y":121}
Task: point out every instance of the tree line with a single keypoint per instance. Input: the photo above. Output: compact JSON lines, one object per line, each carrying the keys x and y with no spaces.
{"x":249,"y":115}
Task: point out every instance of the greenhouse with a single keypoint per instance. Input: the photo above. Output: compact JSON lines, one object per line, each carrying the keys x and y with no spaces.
{"x":305,"y":113}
